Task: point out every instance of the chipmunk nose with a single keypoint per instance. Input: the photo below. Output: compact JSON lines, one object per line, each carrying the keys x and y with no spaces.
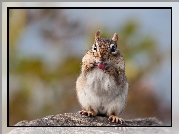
{"x":101,"y":57}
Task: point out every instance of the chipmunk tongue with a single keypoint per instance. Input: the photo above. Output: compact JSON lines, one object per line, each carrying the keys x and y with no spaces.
{"x":101,"y":66}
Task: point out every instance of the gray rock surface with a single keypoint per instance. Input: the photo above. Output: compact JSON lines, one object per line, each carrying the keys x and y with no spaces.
{"x":61,"y":121}
{"x":76,"y":119}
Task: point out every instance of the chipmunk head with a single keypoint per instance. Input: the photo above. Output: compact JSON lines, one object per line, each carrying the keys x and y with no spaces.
{"x":104,"y":48}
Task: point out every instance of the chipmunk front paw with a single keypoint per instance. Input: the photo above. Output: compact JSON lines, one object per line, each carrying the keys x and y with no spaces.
{"x":91,"y":64}
{"x":116,"y":119}
{"x":88,"y":65}
{"x":88,"y":113}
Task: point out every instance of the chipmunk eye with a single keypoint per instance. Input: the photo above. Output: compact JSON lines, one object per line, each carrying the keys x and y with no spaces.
{"x":94,"y":48}
{"x":113,"y":48}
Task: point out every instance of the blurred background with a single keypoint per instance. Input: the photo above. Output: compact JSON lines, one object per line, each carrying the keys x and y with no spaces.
{"x":46,"y":47}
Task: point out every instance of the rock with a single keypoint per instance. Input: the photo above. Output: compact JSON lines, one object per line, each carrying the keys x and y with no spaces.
{"x":76,"y":119}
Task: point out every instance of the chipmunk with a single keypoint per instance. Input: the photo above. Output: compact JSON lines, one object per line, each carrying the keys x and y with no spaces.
{"x":102,"y":87}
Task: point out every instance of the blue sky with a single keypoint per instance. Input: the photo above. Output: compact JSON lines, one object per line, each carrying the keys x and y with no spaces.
{"x":155,"y":22}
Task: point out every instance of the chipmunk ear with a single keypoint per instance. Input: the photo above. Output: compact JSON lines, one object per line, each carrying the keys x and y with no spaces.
{"x":97,"y":35}
{"x":115,"y":37}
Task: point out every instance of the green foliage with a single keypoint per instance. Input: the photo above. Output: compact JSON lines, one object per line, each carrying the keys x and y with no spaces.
{"x":129,"y":29}
{"x":69,"y":68}
{"x":19,"y":101}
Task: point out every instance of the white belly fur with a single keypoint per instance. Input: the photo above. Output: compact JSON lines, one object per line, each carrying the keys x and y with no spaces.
{"x":101,"y":93}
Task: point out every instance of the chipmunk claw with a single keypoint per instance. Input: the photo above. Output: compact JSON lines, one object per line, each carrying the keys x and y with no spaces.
{"x":91,"y":64}
{"x":88,"y":113}
{"x":116,"y":119}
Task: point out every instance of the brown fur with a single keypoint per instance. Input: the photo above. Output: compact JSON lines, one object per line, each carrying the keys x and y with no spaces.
{"x":95,"y":84}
